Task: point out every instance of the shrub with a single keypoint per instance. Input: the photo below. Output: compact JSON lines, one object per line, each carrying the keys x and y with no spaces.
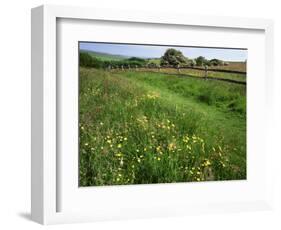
{"x":173,"y":57}
{"x":200,"y":61}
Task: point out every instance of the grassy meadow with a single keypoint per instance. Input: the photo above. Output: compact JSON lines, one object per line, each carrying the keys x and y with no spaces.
{"x":140,"y":127}
{"x":200,"y":73}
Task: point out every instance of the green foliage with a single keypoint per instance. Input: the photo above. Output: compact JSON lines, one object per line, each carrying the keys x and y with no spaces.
{"x":140,"y":128}
{"x":88,"y":60}
{"x":173,"y":57}
{"x":216,"y":62}
{"x":85,"y":60}
{"x":191,"y":62}
{"x":200,"y":61}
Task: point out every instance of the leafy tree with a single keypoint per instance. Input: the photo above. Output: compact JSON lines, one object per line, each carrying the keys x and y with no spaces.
{"x":216,"y":62}
{"x":88,"y":61}
{"x":191,"y":62}
{"x":172,"y":57}
{"x":85,"y":59}
{"x":200,"y":61}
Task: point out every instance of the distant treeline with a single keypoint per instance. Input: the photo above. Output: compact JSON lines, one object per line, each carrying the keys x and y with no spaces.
{"x":171,"y":57}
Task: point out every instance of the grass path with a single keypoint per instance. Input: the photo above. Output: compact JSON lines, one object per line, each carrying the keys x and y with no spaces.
{"x":213,"y":119}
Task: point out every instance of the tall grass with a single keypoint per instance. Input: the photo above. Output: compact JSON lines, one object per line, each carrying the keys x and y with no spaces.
{"x":138,"y":128}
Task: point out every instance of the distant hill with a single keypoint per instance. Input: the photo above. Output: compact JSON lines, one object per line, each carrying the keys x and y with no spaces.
{"x":105,"y":56}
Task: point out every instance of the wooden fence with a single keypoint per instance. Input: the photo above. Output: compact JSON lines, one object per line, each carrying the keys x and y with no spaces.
{"x":179,"y":71}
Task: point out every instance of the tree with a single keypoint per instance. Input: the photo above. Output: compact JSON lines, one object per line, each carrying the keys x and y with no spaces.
{"x":88,"y":61}
{"x":85,"y":59}
{"x":172,"y":57}
{"x":191,"y":62}
{"x":216,"y":62}
{"x":200,"y":61}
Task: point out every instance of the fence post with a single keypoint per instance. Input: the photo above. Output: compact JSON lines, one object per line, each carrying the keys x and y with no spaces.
{"x":206,"y":72}
{"x":178,"y":68}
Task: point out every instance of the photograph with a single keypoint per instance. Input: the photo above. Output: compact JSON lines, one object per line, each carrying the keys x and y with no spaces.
{"x":151,"y":113}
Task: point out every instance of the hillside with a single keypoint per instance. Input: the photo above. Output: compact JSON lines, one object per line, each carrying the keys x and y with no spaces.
{"x":105,"y":56}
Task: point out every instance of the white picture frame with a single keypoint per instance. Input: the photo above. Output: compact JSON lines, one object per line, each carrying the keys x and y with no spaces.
{"x":46,"y":183}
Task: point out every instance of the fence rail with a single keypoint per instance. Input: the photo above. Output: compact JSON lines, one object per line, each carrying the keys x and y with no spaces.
{"x":215,"y":70}
{"x":204,"y":78}
{"x":178,"y":72}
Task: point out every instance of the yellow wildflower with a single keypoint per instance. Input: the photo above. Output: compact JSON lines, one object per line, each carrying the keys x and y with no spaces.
{"x":118,"y":154}
{"x":171,"y":146}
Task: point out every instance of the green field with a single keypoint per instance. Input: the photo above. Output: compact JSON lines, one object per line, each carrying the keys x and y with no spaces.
{"x":199,"y":73}
{"x":143,"y":127}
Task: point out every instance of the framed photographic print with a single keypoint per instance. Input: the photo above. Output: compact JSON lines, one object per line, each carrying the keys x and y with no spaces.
{"x":137,"y":114}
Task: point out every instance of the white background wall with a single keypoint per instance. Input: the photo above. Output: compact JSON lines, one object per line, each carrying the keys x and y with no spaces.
{"x":15,"y":113}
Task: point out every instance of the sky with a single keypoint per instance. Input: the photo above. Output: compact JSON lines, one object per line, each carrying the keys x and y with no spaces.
{"x":152,"y":51}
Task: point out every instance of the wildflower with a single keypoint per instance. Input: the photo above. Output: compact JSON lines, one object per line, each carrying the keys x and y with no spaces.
{"x":185,"y":139}
{"x":207,"y":163}
{"x":158,"y":158}
{"x":101,"y":123}
{"x":118,"y":154}
{"x":108,"y":141}
{"x":125,"y":138}
{"x":119,"y":146}
{"x":158,"y":148}
{"x":86,"y":144}
{"x":171,"y":146}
